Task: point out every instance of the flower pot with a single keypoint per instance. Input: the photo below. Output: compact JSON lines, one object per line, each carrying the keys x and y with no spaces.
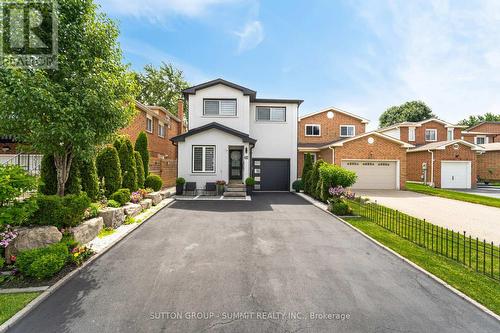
{"x":249,"y":189}
{"x":179,"y":189}
{"x":220,"y":189}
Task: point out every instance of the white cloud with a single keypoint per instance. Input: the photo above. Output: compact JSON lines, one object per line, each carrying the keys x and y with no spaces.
{"x":251,"y":36}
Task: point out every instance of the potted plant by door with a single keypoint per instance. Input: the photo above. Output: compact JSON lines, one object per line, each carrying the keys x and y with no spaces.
{"x":220,"y":186}
{"x":250,"y":183}
{"x":179,"y":185}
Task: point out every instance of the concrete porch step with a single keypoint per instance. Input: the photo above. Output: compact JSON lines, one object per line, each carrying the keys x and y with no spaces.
{"x":235,"y":189}
{"x":236,"y":185}
{"x":235,"y":194}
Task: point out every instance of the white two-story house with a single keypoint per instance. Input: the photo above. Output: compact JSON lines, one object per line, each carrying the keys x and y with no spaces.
{"x":234,"y":135}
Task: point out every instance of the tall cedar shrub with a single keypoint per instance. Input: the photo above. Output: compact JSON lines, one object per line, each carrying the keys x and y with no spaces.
{"x":48,"y":176}
{"x":308,"y":164}
{"x":140,"y":169}
{"x":314,"y":181}
{"x":332,"y":176}
{"x":141,"y":145}
{"x":109,"y":170}
{"x":90,"y":181}
{"x":129,"y":168}
{"x":74,"y":182}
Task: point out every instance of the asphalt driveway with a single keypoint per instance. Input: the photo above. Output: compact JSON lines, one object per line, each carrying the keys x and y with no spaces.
{"x":485,"y":190}
{"x":272,"y":263}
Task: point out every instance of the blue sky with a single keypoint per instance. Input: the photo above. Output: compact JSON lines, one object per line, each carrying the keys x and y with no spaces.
{"x":362,"y":56}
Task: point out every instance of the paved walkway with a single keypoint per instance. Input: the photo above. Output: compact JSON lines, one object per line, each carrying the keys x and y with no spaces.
{"x":477,"y":220}
{"x":273,"y":264}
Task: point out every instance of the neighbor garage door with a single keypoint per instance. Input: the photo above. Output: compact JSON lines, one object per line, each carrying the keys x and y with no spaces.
{"x":373,"y":174}
{"x":271,"y":174}
{"x":455,"y":174}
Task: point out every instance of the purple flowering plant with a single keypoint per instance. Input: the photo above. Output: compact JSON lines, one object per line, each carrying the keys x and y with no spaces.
{"x":135,"y":197}
{"x":340,"y":192}
{"x":7,"y":236}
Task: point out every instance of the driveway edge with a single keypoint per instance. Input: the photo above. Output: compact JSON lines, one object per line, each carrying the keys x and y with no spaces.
{"x":38,"y":300}
{"x":457,"y":292}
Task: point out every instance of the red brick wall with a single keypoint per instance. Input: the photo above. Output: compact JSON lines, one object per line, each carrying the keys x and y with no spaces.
{"x":489,"y":161}
{"x":166,"y":169}
{"x":415,"y":160}
{"x":330,"y":128}
{"x":442,"y":134}
{"x":325,"y":155}
{"x":381,"y":149}
{"x":491,"y":137}
{"x":487,"y":128}
{"x":12,"y":147}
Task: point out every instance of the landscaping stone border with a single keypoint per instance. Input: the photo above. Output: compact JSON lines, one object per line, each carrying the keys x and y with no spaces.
{"x":324,"y":207}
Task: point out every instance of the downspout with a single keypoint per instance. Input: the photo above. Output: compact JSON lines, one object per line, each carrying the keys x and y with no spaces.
{"x":333,"y":154}
{"x":432,"y":167}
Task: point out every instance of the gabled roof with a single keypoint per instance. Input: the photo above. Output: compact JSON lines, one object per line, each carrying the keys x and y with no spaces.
{"x":149,"y":111}
{"x":340,"y":143}
{"x":482,"y":123}
{"x":192,"y":90}
{"x":441,"y":145}
{"x":170,"y":114}
{"x":418,"y":124}
{"x":495,"y":146}
{"x":277,"y":100}
{"x":332,"y":108}
{"x":182,"y":137}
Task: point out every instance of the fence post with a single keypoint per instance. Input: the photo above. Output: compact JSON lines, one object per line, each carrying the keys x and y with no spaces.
{"x":477,"y":253}
{"x":452,"y":236}
{"x":463,"y":259}
{"x":484,"y":255}
{"x":447,"y":242}
{"x":470,"y":250}
{"x":491,"y":259}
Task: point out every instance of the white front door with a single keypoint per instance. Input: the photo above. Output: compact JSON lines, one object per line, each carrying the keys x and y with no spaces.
{"x":455,"y":174}
{"x":374,"y":175}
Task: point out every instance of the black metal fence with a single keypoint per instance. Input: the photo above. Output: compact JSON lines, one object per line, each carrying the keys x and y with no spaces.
{"x":478,"y":255}
{"x":29,"y":162}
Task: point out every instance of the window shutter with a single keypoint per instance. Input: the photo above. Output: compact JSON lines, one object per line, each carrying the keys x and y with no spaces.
{"x":211,"y":107}
{"x":228,"y":108}
{"x":198,"y":159}
{"x":209,"y":158}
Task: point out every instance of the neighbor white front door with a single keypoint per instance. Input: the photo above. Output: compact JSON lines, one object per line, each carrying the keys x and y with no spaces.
{"x":455,"y":174}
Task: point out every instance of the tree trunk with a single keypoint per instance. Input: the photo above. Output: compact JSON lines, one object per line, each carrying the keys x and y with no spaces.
{"x":63,"y":165}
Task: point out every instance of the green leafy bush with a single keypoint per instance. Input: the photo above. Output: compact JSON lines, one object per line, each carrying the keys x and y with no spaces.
{"x":89,"y":179}
{"x":109,"y":170}
{"x":340,"y":207}
{"x":2,"y":262}
{"x":44,"y":262}
{"x":62,"y":212}
{"x":154,"y":182}
{"x":140,"y":169}
{"x":48,"y":176}
{"x":113,"y":204}
{"x":298,"y":185}
{"x":92,"y":211}
{"x":180,"y":181}
{"x":332,"y":176}
{"x":141,"y":145}
{"x":306,"y":170}
{"x":128,"y":166}
{"x":249,"y":181}
{"x":314,"y":179}
{"x":122,"y":196}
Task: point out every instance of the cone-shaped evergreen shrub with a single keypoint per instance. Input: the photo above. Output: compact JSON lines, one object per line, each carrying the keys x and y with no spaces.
{"x":308,"y":164}
{"x":48,"y":176}
{"x":129,"y":169}
{"x":89,"y":179}
{"x":109,"y":170}
{"x":140,"y":169}
{"x":141,"y":145}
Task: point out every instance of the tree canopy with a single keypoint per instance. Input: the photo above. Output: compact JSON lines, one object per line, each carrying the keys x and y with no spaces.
{"x":68,"y":111}
{"x":474,"y":120}
{"x":410,"y":111}
{"x":161,"y":86}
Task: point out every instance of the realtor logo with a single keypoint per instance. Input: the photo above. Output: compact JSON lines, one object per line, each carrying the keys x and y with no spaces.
{"x":28,"y":34}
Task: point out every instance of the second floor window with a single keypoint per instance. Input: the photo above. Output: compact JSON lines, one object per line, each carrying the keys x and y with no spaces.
{"x":430,"y":135}
{"x":266,"y":113}
{"x":411,"y":133}
{"x":450,"y":134}
{"x":149,"y":124}
{"x":347,"y":130}
{"x":161,"y":129}
{"x":480,"y":140}
{"x":313,"y":130}
{"x":219,"y":107}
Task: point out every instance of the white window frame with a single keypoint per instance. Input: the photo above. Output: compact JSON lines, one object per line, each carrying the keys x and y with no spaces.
{"x":161,"y":129}
{"x":148,"y":128}
{"x":309,"y":125}
{"x":348,"y":126}
{"x":411,"y":133}
{"x":203,"y":161}
{"x":448,"y":136}
{"x":270,"y":120}
{"x":482,"y":137}
{"x":219,"y":100}
{"x":431,"y":130}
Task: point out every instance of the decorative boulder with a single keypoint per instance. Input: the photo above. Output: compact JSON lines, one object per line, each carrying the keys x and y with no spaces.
{"x":146,"y":203}
{"x":155,"y":196}
{"x":112,"y":217}
{"x":88,"y":230}
{"x":132,"y":209}
{"x":32,"y":238}
{"x":165,"y":194}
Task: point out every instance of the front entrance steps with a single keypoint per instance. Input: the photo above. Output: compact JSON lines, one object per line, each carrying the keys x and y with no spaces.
{"x":235,"y":190}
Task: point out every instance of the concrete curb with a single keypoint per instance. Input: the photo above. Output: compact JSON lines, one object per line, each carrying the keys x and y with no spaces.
{"x":457,"y":292}
{"x":38,"y":300}
{"x":23,"y":290}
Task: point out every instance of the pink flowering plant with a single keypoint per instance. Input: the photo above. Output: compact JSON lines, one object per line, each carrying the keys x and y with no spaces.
{"x":338,"y":203}
{"x":7,"y":236}
{"x":136,"y":197}
{"x":340,"y":192}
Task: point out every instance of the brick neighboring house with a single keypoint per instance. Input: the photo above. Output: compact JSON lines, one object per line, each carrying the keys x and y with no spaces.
{"x":160,"y":125}
{"x":488,"y":164}
{"x":483,"y":133}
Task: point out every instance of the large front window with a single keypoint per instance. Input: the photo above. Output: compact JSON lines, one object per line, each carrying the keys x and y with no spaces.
{"x":203,"y":158}
{"x":266,"y":113}
{"x":219,"y":107}
{"x":313,"y":130}
{"x":430,"y":135}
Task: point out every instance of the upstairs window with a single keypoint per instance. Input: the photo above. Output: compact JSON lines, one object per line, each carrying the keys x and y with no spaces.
{"x":347,"y":130}
{"x":449,"y":135}
{"x":411,"y":133}
{"x":161,"y":129}
{"x":149,"y":124}
{"x":267,"y":113}
{"x":481,"y":140}
{"x":313,"y":130}
{"x":431,"y":135}
{"x":219,"y":107}
{"x":203,"y":159}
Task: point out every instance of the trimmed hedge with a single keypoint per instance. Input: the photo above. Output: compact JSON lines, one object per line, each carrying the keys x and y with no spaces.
{"x":43,"y":263}
{"x":306,"y":170}
{"x":141,"y":145}
{"x":298,"y":185}
{"x":62,"y":212}
{"x":331,"y":175}
{"x":128,"y":166}
{"x":140,"y":169}
{"x":154,"y":182}
{"x":109,"y":170}
{"x":89,"y":179}
{"x":122,"y":196}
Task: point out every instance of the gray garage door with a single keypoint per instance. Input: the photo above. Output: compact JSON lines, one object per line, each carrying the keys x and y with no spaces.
{"x":271,"y":174}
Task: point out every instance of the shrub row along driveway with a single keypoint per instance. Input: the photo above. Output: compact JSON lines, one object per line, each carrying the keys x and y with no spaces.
{"x":276,"y":253}
{"x":477,"y":220}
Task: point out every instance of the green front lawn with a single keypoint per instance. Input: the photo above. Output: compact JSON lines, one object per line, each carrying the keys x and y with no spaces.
{"x":10,"y":304}
{"x":477,"y":286}
{"x":449,"y":194}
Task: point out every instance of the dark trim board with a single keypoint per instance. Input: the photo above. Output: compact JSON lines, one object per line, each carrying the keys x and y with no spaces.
{"x":214,"y":125}
{"x":277,"y":182}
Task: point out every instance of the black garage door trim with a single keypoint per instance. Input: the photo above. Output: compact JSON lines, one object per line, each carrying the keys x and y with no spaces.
{"x":271,"y":179}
